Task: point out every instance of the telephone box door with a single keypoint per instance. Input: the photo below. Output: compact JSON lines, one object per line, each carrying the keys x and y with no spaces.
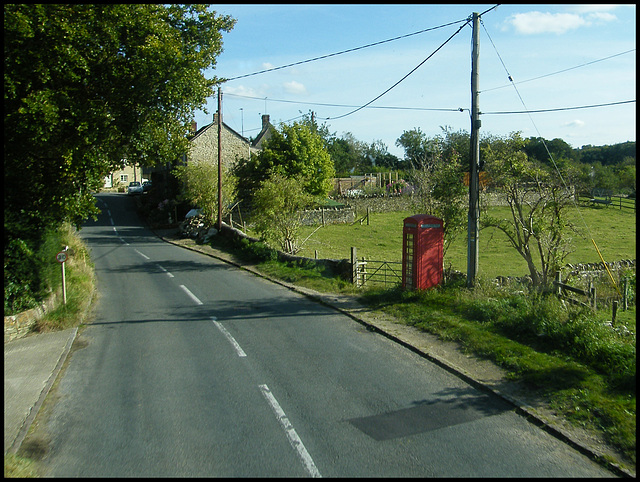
{"x":422,"y":252}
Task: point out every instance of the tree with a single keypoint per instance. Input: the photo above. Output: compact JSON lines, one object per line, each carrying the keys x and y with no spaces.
{"x":200,"y":187}
{"x":88,"y":86}
{"x":294,"y":151}
{"x":420,"y":151}
{"x":539,"y":227}
{"x":278,"y":204}
{"x":440,"y":191}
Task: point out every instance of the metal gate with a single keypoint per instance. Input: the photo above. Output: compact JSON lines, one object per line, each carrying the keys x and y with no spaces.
{"x":371,"y":271}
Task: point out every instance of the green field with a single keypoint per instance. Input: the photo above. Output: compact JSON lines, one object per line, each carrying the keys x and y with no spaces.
{"x":613,"y":230}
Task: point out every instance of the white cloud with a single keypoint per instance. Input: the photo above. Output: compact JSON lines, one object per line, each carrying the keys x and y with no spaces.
{"x":575,"y":123}
{"x":539,"y":22}
{"x":588,"y":8}
{"x":294,"y":87}
{"x":604,"y":16}
{"x":244,"y":91}
{"x":267,"y":66}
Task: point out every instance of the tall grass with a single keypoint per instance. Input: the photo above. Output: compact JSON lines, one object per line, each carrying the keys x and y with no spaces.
{"x":79,"y":279}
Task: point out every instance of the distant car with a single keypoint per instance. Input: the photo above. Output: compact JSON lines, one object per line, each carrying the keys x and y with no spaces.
{"x":146,"y":186}
{"x":134,"y":188}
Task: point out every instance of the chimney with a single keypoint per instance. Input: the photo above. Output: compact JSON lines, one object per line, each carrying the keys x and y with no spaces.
{"x":215,"y":117}
{"x":265,"y":121}
{"x":194,"y":127}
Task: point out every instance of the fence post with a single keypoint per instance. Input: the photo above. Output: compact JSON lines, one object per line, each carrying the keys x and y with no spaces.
{"x":615,"y":311}
{"x":354,"y":265}
{"x":625,"y":288}
{"x":557,"y":283}
{"x":592,"y":293}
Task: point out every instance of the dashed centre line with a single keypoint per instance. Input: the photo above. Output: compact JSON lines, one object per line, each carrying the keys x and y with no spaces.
{"x":163,"y":269}
{"x":292,"y":435}
{"x":191,"y":295}
{"x":230,"y":337}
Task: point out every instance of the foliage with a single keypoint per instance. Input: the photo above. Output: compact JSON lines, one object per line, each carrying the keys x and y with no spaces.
{"x":295,"y":150}
{"x":89,"y":88}
{"x":277,"y":205}
{"x":608,"y":155}
{"x":22,"y":284}
{"x":538,"y":201}
{"x":437,"y":179}
{"x":200,"y":187}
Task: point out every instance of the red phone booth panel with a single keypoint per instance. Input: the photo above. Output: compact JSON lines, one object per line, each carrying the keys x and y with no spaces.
{"x":422,"y":238}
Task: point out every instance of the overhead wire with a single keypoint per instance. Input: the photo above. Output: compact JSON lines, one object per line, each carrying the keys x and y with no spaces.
{"x":343,"y":51}
{"x":551,"y":158}
{"x":560,"y":71}
{"x":558,"y":108}
{"x":403,"y":78}
{"x":323,"y":104}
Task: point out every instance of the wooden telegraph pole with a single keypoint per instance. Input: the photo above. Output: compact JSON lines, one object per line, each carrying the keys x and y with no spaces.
{"x":474,"y":182}
{"x":219,"y":159}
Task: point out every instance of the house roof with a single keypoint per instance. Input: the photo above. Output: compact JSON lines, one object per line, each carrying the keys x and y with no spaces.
{"x":265,"y":133}
{"x":215,"y":123}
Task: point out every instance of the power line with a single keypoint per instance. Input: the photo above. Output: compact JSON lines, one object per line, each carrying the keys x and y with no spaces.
{"x":403,"y":78}
{"x":560,"y":71}
{"x":344,"y":51}
{"x":558,"y":109}
{"x":347,"y":106}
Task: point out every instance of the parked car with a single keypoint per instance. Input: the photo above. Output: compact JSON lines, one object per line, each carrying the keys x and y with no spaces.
{"x":146,"y":186}
{"x":134,"y":188}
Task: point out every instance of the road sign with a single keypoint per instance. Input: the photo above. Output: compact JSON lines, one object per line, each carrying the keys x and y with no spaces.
{"x":61,"y":256}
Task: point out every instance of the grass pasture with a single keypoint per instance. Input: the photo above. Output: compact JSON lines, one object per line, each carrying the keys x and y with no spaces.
{"x":613,"y":230}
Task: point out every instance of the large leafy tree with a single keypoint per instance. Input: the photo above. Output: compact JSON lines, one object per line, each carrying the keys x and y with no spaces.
{"x":90,"y":87}
{"x":295,"y":150}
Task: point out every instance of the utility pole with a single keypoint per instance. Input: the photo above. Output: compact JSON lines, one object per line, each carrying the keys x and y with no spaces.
{"x":219,"y":159}
{"x":474,"y":181}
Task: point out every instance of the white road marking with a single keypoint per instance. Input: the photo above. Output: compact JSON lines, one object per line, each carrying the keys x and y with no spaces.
{"x":294,"y":440}
{"x":191,"y":295}
{"x":231,"y":339}
{"x":142,"y":254}
{"x":168,"y":274}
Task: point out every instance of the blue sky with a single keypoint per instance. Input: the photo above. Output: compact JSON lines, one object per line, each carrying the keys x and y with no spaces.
{"x":577,"y":55}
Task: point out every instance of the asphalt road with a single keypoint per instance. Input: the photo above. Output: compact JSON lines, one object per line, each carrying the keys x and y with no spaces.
{"x":192,"y":367}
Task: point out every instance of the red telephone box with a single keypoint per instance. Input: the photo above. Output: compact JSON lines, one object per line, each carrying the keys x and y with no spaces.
{"x":422,"y":237}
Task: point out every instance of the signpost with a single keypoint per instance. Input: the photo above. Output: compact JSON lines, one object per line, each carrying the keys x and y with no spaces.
{"x":61,"y":257}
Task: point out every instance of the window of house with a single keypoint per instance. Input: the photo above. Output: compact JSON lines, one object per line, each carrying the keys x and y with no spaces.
{"x":124,"y":177}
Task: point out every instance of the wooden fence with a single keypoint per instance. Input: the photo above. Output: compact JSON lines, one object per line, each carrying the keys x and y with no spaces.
{"x":615,"y":201}
{"x":590,"y":295}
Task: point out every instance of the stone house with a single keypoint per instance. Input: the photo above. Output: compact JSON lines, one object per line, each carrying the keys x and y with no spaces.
{"x":120,"y":179}
{"x":204,"y":148}
{"x":204,"y":143}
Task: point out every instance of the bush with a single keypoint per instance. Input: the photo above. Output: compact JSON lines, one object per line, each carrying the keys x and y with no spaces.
{"x":257,"y":251}
{"x":22,"y":285}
